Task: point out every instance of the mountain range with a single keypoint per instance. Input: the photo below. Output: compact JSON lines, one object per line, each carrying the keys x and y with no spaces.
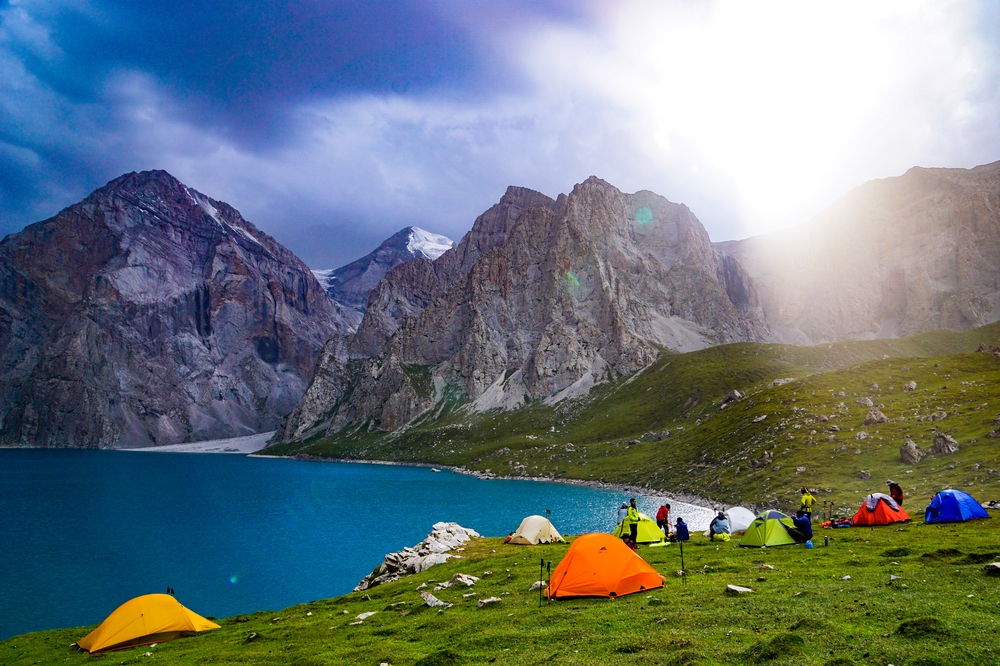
{"x":152,"y":314}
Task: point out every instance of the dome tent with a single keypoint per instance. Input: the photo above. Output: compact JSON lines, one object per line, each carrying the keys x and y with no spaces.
{"x":739,"y":519}
{"x":879,"y":509}
{"x":647,"y":532}
{"x":768,"y":529}
{"x":600,"y":565}
{"x":534,"y":530}
{"x":953,"y":505}
{"x":151,"y":618}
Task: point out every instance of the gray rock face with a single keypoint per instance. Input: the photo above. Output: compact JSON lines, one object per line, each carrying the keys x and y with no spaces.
{"x":541,"y":300}
{"x":349,"y":286}
{"x":892,"y":258}
{"x":910,"y":453}
{"x":944,"y":443}
{"x":151,"y":314}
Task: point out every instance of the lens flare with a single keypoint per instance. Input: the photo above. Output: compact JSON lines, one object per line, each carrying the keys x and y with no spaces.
{"x":571,"y":280}
{"x":644,"y":215}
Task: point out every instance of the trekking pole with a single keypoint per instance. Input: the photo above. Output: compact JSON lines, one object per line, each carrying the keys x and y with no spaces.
{"x":683,"y":572}
{"x":549,"y":583}
{"x":541,"y":577}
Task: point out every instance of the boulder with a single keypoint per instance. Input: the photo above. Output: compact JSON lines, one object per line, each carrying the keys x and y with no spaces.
{"x":485,"y":602}
{"x":834,"y":428}
{"x":865,"y":402}
{"x":864,"y":475}
{"x":994,"y":434}
{"x":910,"y":386}
{"x":992,"y":569}
{"x":911,"y":453}
{"x":656,"y":436}
{"x":944,"y":443}
{"x":822,"y":418}
{"x":861,"y":435}
{"x":875,"y":416}
{"x":736,"y":590}
{"x":936,"y":416}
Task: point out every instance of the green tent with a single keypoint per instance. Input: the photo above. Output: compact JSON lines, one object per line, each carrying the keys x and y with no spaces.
{"x":648,"y":532}
{"x":768,"y":529}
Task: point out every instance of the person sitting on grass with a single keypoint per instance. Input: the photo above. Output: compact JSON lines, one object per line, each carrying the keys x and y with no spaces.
{"x":628,"y":542}
{"x":803,"y":530}
{"x":719,"y":526}
{"x":680,"y":531}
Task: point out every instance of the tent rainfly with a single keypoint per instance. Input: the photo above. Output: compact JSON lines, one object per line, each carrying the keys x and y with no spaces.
{"x":739,"y":519}
{"x":879,"y":509}
{"x":534,"y":530}
{"x":601,"y":565}
{"x":648,"y":531}
{"x":152,"y":618}
{"x":768,"y":529}
{"x":953,"y":506}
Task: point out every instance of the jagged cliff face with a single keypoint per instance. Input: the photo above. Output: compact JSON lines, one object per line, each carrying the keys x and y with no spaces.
{"x":349,"y":286}
{"x":541,"y":300}
{"x":894,"y":257}
{"x":152,"y":314}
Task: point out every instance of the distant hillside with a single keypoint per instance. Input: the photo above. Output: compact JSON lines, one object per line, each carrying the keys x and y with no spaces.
{"x":669,"y":427}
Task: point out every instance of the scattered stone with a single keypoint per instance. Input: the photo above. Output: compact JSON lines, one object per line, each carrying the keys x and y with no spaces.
{"x":994,"y":434}
{"x":482,"y":603}
{"x":433,"y":550}
{"x":911,"y":453}
{"x":864,"y":476}
{"x":537,"y":584}
{"x":365,"y":616}
{"x":861,"y":435}
{"x":779,"y":382}
{"x":834,"y":428}
{"x":875,"y":416}
{"x":656,"y":436}
{"x":943,"y":444}
{"x":874,"y":387}
{"x":433,"y":601}
{"x":354,"y":624}
{"x":769,"y":567}
{"x":992,"y":569}
{"x":251,"y":637}
{"x":800,"y":470}
{"x":655,"y":602}
{"x":760,"y":418}
{"x":736,"y":590}
{"x":974,"y":467}
{"x":822,"y":418}
{"x":910,"y":386}
{"x":865,"y":402}
{"x":420,"y":587}
{"x":937,"y":416}
{"x":366,"y":598}
{"x":892,"y":578}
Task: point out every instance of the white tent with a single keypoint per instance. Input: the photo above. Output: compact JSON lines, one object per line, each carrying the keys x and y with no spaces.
{"x":739,"y":518}
{"x":534,"y":530}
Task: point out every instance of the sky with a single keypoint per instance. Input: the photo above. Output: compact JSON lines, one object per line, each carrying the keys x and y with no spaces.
{"x":332,"y":125}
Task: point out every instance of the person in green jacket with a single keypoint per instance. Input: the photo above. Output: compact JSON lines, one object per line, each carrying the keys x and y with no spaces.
{"x":633,"y":520}
{"x":807,"y":503}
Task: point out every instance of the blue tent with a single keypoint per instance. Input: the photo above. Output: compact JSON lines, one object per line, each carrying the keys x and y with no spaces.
{"x":952,"y":505}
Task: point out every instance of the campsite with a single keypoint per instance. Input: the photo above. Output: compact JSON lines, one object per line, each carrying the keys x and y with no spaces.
{"x":911,"y":595}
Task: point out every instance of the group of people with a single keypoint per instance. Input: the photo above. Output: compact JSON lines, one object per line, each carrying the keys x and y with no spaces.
{"x":719,"y":528}
{"x":630,"y":514}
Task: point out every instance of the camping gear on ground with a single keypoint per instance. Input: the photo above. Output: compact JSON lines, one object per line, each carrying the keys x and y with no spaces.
{"x":648,"y":531}
{"x":953,"y":505}
{"x":879,"y":509}
{"x":600,"y":565}
{"x":534,"y":530}
{"x":151,"y":618}
{"x":768,"y":529}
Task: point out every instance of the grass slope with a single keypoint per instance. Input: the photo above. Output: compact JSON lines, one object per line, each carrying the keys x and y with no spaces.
{"x":942,"y":610}
{"x":719,"y":452}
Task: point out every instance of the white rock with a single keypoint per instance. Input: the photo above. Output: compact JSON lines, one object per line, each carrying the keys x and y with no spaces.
{"x":846,"y":578}
{"x":365,"y":616}
{"x":484,"y":602}
{"x":736,"y":590}
{"x":433,"y":601}
{"x":537,"y":584}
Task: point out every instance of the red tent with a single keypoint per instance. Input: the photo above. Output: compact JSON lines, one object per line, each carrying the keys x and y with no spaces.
{"x":879,"y":509}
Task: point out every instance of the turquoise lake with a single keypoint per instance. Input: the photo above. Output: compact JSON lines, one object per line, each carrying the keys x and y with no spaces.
{"x":81,"y":532}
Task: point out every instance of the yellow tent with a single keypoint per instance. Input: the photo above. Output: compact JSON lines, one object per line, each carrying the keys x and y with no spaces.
{"x":648,"y":532}
{"x":152,"y":618}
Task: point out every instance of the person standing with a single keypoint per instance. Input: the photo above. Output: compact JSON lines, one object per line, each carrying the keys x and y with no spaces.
{"x":662,"y":518}
{"x":895,"y":492}
{"x":633,"y":520}
{"x":807,"y":503}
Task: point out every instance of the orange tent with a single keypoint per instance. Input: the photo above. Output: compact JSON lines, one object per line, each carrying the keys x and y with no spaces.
{"x":151,"y":618}
{"x":600,"y":565}
{"x":879,"y":509}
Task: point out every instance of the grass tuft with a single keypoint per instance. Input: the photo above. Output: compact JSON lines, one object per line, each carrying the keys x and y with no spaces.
{"x":923,"y":627}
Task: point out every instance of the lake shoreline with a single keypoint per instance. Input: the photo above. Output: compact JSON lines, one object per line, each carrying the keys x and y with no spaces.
{"x":667,"y":496}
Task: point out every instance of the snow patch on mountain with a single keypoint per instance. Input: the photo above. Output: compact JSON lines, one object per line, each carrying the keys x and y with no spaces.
{"x":427,"y":244}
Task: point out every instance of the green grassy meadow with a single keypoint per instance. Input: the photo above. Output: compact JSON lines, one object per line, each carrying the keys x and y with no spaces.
{"x":719,"y":452}
{"x":942,"y":610}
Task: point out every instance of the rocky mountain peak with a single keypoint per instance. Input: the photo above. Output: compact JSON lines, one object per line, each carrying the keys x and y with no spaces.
{"x":149,"y":313}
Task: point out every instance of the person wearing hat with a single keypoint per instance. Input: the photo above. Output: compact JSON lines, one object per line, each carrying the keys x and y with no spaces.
{"x":719,"y":525}
{"x":807,"y":503}
{"x":633,"y":520}
{"x":895,"y":492}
